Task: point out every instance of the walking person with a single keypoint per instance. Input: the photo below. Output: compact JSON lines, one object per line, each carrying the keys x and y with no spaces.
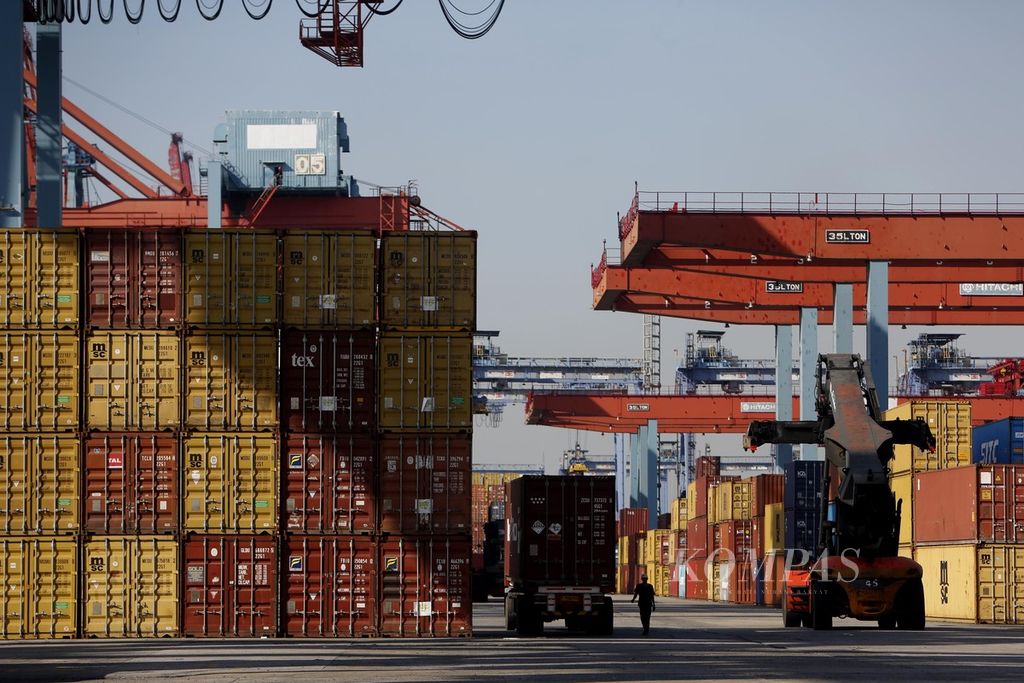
{"x":645,"y":592}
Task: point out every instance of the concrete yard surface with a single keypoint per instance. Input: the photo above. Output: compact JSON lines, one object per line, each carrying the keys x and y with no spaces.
{"x":689,"y":640}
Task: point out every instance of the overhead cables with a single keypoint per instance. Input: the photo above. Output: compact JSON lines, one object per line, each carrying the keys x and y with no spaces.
{"x":255,"y":14}
{"x":465,"y":30}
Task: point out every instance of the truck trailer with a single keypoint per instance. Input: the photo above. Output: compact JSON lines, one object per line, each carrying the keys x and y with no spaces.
{"x":560,"y":553}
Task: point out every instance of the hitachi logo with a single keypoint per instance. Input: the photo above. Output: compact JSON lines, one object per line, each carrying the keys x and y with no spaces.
{"x":301,"y":361}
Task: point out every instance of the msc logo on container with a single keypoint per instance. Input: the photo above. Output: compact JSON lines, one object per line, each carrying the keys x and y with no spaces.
{"x":295,"y":563}
{"x":848,"y":236}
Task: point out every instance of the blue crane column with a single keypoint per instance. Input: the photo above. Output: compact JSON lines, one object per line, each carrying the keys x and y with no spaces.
{"x":842,"y":319}
{"x":878,"y":328}
{"x":783,"y":387}
{"x":49,"y":140}
{"x":643,"y":470}
{"x":12,"y":141}
{"x":808,"y":375}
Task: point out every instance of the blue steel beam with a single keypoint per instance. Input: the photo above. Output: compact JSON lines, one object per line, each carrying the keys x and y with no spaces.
{"x":878,"y":328}
{"x":49,"y":138}
{"x":12,"y":128}
{"x":809,"y":375}
{"x":783,"y":388}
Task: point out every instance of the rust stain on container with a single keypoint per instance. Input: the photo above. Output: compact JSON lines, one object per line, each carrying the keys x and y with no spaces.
{"x":425,"y":382}
{"x":425,"y":483}
{"x":329,"y":279}
{"x":39,"y":378}
{"x":133,"y":278}
{"x":425,"y":586}
{"x":231,"y":482}
{"x":230,"y":586}
{"x":328,"y":380}
{"x":39,"y":483}
{"x":133,"y":381}
{"x":131,"y":483}
{"x":330,"y":586}
{"x":40,"y":580}
{"x":231,"y":278}
{"x":232,"y":381}
{"x":429,"y":280}
{"x":39,"y":269}
{"x":330,"y":483}
{"x":131,"y":587}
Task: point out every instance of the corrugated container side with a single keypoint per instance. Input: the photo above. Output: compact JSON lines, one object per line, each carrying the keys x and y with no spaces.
{"x":40,"y":580}
{"x":562,"y":530}
{"x":39,"y":269}
{"x":39,"y":381}
{"x":950,"y":423}
{"x":328,"y":380}
{"x":707,"y":466}
{"x":330,"y":483}
{"x":739,"y":582}
{"x":732,"y":501}
{"x":231,"y":482}
{"x":131,"y":587}
{"x":231,"y":278}
{"x":989,"y":505}
{"x":696,"y":579}
{"x":697,"y":541}
{"x":902,"y":486}
{"x":803,"y":484}
{"x":429,"y":279}
{"x":774,"y":527}
{"x":678,"y":514}
{"x":424,"y":483}
{"x":691,"y":496}
{"x":133,"y":278}
{"x":425,"y":382}
{"x":766,"y":489}
{"x":232,"y":381}
{"x":773,"y":575}
{"x":230,"y":586}
{"x":330,"y":586}
{"x":329,"y":279}
{"x":425,"y":586}
{"x":131,"y":483}
{"x":39,"y":483}
{"x":979,"y":584}
{"x":133,"y":381}
{"x":1000,"y":442}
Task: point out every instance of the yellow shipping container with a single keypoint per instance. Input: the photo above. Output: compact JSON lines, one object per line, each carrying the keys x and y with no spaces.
{"x":131,"y":587}
{"x":715,"y":575}
{"x":659,"y":576}
{"x":980,"y":584}
{"x":39,"y":483}
{"x":950,"y":422}
{"x":39,"y":379}
{"x":39,"y":576}
{"x":496,"y":478}
{"x":231,"y":482}
{"x":429,"y":280}
{"x":678,"y":512}
{"x":712,"y":514}
{"x":691,"y":495}
{"x":425,"y":382}
{"x":232,"y":381}
{"x":623,"y":550}
{"x":733,"y":501}
{"x":657,"y":539}
{"x":641,"y":550}
{"x":905,"y":550}
{"x":329,"y":278}
{"x":133,"y":381}
{"x":774,"y":527}
{"x":39,"y":269}
{"x":902,"y":486}
{"x":231,"y":278}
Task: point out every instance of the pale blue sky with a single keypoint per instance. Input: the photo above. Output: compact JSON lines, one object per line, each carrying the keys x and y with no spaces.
{"x":534,"y":134}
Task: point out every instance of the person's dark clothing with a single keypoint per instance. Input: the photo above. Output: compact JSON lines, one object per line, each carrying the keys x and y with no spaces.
{"x":645,"y":592}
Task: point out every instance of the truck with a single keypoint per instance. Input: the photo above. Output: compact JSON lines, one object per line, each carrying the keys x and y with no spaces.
{"x":560,"y":553}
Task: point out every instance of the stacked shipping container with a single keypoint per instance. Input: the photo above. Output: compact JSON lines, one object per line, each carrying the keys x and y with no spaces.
{"x":195,"y":484}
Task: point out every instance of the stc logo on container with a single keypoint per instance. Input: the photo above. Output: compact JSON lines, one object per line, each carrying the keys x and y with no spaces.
{"x":988,"y":452}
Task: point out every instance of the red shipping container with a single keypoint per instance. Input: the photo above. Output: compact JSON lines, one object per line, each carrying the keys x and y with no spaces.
{"x":561,"y":531}
{"x":697,"y":579}
{"x":766,"y":489}
{"x":632,"y":521}
{"x":697,"y":538}
{"x":425,"y":483}
{"x":329,"y":483}
{"x":425,"y":586}
{"x":231,"y":586}
{"x":706,"y":466}
{"x":774,"y":570}
{"x":665,"y":520}
{"x":131,"y":483}
{"x":973,"y":504}
{"x":757,"y":536}
{"x":734,"y":539}
{"x":133,"y":278}
{"x":742,"y":589}
{"x":328,"y":380}
{"x":330,"y":586}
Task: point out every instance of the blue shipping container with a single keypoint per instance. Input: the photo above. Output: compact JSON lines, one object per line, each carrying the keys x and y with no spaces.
{"x":803,"y":504}
{"x":999,"y":443}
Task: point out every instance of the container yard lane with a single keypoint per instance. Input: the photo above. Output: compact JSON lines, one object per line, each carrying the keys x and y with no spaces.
{"x":690,"y":640}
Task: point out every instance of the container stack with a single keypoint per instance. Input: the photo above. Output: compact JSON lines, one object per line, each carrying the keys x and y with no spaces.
{"x":631,"y":532}
{"x":699,"y":526}
{"x":424,"y":413}
{"x":677,"y":547}
{"x":40,"y":454}
{"x":489,"y":504}
{"x":657,"y":562}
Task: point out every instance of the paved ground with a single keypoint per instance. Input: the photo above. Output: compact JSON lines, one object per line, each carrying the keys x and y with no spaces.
{"x":690,"y":640}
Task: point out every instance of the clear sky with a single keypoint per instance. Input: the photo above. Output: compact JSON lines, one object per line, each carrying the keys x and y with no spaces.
{"x":534,"y":134}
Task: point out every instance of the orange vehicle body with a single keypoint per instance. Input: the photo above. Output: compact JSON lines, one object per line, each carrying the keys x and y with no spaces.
{"x":860,"y":588}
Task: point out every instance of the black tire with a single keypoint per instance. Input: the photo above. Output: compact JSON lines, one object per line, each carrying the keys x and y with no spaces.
{"x":510,"y":615}
{"x":529,"y":624}
{"x":603,"y":624}
{"x":805,"y":620}
{"x":821,"y":607}
{"x":910,"y":607}
{"x":789,"y":619}
{"x":887,"y":622}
